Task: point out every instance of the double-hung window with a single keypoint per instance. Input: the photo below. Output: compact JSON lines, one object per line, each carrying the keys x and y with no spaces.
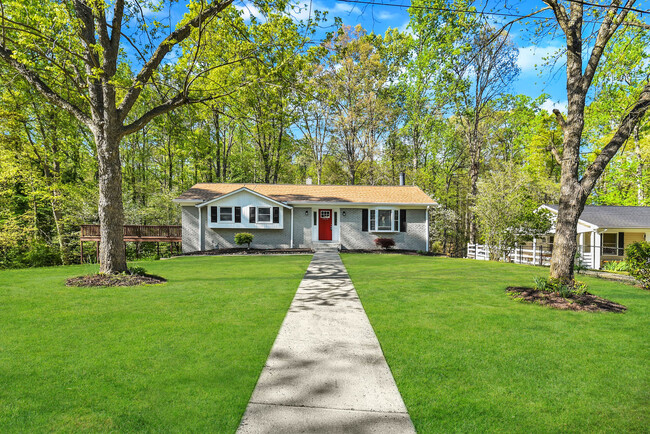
{"x":264,"y":215}
{"x":225,"y":214}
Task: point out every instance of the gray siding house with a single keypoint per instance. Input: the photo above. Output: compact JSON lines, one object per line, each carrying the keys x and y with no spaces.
{"x":304,"y":216}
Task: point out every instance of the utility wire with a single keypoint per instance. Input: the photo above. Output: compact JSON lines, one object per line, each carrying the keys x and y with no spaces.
{"x":477,"y":12}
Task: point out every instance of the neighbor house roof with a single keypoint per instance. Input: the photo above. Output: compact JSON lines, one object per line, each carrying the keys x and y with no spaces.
{"x":304,"y":193}
{"x":621,"y":217}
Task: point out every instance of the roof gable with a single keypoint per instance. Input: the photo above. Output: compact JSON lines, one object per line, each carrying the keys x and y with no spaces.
{"x":242,"y":191}
{"x":303,"y":193}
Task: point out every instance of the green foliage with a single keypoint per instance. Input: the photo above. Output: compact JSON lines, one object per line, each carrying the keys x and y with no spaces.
{"x":565,"y":290}
{"x":244,"y":238}
{"x":508,"y":209}
{"x":637,"y":257}
{"x":136,"y":270}
{"x":620,"y":266}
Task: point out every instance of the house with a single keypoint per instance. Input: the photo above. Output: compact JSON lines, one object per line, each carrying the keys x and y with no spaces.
{"x":604,"y":232}
{"x":304,"y":216}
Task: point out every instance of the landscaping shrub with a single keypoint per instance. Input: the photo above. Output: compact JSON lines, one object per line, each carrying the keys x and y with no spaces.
{"x":637,"y":257}
{"x":385,"y":243}
{"x":244,"y":238}
{"x":562,"y":289}
{"x":615,"y":266}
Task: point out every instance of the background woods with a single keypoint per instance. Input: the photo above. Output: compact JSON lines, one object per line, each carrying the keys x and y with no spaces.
{"x":275,"y":97}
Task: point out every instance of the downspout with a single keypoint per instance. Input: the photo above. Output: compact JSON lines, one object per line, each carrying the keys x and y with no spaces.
{"x":427,"y":229}
{"x":292,"y":227}
{"x":200,"y":229}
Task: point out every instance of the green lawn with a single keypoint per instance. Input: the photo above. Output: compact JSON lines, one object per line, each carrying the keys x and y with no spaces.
{"x":468,"y":358}
{"x":183,"y":356}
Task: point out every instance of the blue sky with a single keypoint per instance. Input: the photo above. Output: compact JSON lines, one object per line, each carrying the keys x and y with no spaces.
{"x":534,"y":79}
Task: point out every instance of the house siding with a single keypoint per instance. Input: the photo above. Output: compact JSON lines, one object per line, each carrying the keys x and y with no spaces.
{"x":263,"y":238}
{"x":302,"y":227}
{"x":190,"y":228}
{"x":353,"y":238}
{"x":351,"y":235}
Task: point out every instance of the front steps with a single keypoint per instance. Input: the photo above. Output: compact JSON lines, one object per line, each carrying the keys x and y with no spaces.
{"x":326,"y":247}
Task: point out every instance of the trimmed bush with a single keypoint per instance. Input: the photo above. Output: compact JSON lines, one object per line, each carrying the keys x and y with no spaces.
{"x":637,"y":257}
{"x":385,"y":243}
{"x":244,"y":238}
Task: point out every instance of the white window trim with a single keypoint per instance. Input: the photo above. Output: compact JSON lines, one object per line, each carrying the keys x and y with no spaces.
{"x":232,"y":214}
{"x":257,"y":215}
{"x":392,"y":220}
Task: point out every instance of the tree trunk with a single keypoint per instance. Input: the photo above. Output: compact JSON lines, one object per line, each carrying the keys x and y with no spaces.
{"x":640,"y":193}
{"x":112,"y":257}
{"x":474,"y":167}
{"x":565,"y":244}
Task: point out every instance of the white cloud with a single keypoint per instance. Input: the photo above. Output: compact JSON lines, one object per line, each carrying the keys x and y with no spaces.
{"x":248,"y":10}
{"x":385,"y":15}
{"x":549,"y":105}
{"x":532,"y":56}
{"x":346,"y":8}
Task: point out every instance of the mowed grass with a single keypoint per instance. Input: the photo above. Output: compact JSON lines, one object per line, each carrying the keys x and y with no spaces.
{"x":468,"y":358}
{"x":183,"y":356}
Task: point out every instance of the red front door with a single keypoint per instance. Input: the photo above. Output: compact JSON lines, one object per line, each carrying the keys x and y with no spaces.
{"x":325,"y":224}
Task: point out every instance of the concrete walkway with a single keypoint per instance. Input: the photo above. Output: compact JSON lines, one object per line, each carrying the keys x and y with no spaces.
{"x":326,"y":372}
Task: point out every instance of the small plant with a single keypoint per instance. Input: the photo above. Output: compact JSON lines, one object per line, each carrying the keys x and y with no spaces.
{"x":244,"y":238}
{"x":578,"y":266}
{"x":385,"y":243}
{"x":541,"y":284}
{"x":637,"y":257}
{"x":616,"y":266}
{"x":562,"y":289}
{"x":139,"y":271}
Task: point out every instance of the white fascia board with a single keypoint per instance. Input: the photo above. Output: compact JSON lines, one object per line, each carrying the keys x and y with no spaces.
{"x":359,"y":204}
{"x":239,"y":190}
{"x":585,"y":223}
{"x":187,"y":202}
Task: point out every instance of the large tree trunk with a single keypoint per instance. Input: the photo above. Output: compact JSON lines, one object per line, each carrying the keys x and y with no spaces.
{"x":565,"y":245}
{"x":112,"y":256}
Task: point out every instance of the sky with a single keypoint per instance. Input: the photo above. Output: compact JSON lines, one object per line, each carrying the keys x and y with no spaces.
{"x":534,"y":80}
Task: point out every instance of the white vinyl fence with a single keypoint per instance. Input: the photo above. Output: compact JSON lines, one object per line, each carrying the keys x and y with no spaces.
{"x":532,"y":254}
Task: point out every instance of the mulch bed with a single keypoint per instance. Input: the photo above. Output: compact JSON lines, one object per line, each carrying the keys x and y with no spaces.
{"x":583,"y":302}
{"x":94,"y":280}
{"x":245,"y":251}
{"x":389,"y":251}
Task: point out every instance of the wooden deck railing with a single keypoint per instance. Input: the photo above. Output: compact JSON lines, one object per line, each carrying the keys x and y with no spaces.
{"x":143,"y":233}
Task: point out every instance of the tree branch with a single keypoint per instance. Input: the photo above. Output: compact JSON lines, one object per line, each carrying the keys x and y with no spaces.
{"x":36,"y":81}
{"x":610,"y":24}
{"x":624,"y":131}
{"x":165,"y":47}
{"x":560,"y":118}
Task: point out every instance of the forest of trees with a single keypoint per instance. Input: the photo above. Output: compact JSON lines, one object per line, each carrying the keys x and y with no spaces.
{"x":277,"y":100}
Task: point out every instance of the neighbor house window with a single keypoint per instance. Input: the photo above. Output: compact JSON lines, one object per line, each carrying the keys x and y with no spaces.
{"x":225,"y":214}
{"x":264,"y":215}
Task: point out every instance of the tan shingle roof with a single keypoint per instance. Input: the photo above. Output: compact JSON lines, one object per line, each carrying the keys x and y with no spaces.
{"x":315,"y":193}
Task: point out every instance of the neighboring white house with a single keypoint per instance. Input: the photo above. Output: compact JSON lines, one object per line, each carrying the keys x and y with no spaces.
{"x":288,"y":216}
{"x":603,"y":234}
